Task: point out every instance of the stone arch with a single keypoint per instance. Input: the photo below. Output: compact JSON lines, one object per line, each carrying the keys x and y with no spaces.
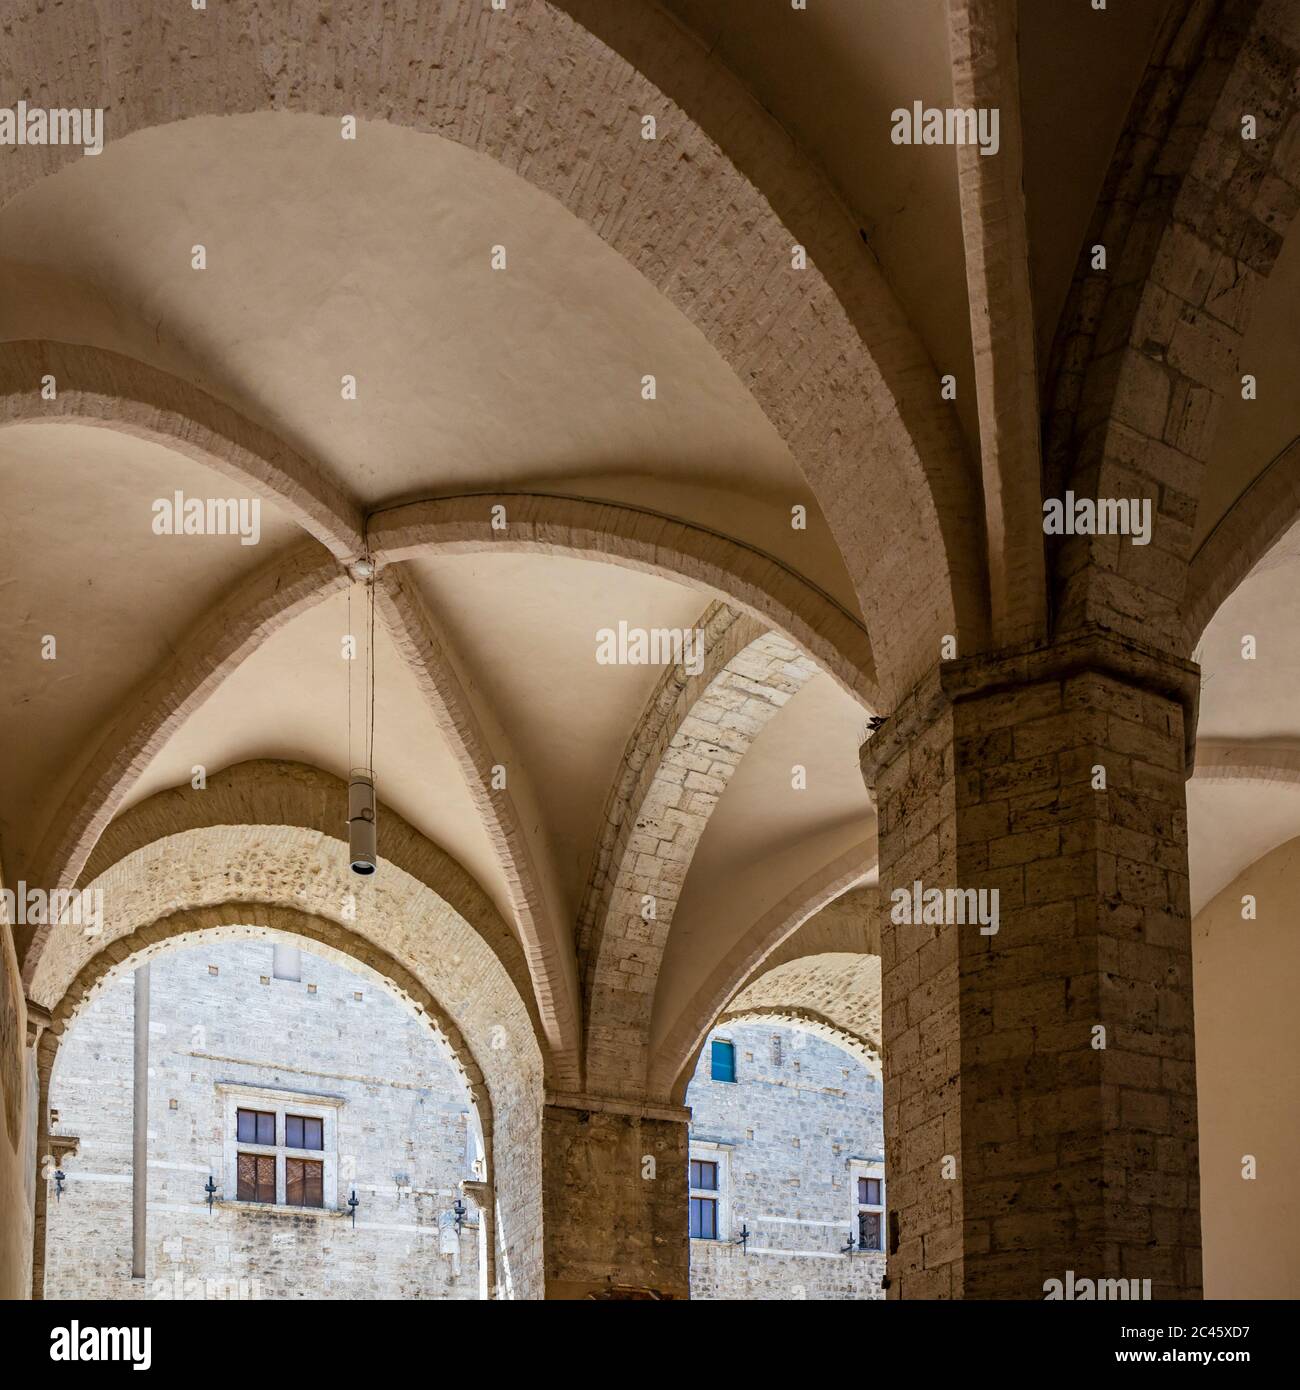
{"x":834,"y":993}
{"x":1194,"y":217}
{"x":716,"y":726}
{"x":229,"y":922}
{"x":805,"y":1021}
{"x":245,"y":875}
{"x":1251,"y":527}
{"x":110,"y":391}
{"x":725,"y":632}
{"x":278,"y":793}
{"x":640,"y":539}
{"x":1248,"y":760}
{"x":501,"y":82}
{"x":673,"y":1056}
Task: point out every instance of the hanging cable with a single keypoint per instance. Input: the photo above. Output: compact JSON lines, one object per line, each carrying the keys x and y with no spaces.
{"x":362,"y":850}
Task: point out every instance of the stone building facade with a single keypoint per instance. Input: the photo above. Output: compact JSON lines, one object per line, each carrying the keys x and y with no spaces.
{"x":252,"y":1025}
{"x":790,"y":1137}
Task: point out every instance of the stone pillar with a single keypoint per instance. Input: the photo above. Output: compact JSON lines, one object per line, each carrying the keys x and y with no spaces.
{"x":480,"y":1193}
{"x":44,"y":1045}
{"x":1040,"y":1092}
{"x":140,"y":1127}
{"x":615,"y":1199}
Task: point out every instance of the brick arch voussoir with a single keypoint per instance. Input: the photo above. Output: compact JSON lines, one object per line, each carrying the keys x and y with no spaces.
{"x":835,"y":994}
{"x":1274,"y":762}
{"x":915,"y":420}
{"x":273,"y":792}
{"x":835,"y":367}
{"x":725,"y":633}
{"x":222,"y":859}
{"x":1193,"y":217}
{"x":864,"y":1048}
{"x":254,"y":920}
{"x":718,"y":725}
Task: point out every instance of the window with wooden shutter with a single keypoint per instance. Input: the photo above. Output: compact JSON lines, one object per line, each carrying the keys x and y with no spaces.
{"x":256,"y":1174}
{"x":870,"y":1211}
{"x":304,"y":1184}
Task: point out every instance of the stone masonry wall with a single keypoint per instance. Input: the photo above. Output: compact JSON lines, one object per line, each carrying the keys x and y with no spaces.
{"x":800,"y":1110}
{"x":402,"y":1137}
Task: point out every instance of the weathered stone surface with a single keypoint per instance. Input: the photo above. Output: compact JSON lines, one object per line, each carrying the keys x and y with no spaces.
{"x":401,"y":1138}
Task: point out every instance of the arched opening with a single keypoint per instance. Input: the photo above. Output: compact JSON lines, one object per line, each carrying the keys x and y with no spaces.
{"x":305,"y":1131}
{"x":397,"y":928}
{"x":788,"y":1193}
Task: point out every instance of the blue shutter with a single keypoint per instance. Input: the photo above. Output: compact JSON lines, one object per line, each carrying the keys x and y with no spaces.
{"x":724,"y":1061}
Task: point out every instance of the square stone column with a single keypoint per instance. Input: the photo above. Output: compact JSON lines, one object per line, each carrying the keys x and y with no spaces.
{"x":615,"y":1199}
{"x":1040,"y":1088}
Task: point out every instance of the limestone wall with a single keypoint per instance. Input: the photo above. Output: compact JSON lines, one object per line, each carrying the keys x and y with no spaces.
{"x":791,"y":1127}
{"x":1247,"y":979}
{"x":402,"y":1119}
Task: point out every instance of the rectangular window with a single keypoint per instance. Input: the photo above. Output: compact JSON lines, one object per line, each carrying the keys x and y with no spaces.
{"x":302,"y":1132}
{"x":869,"y":1230}
{"x":304,"y":1184}
{"x":704,"y":1176}
{"x":723,"y":1060}
{"x":869,"y":1210}
{"x":869,"y":1192}
{"x":256,"y":1178}
{"x":255,"y":1127}
{"x":704,"y":1218}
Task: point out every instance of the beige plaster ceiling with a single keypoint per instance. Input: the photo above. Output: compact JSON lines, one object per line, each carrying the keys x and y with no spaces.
{"x":83,"y":565}
{"x":372,"y":258}
{"x":1231,"y":824}
{"x":832,"y":73}
{"x":524,"y":629}
{"x":1255,"y":698}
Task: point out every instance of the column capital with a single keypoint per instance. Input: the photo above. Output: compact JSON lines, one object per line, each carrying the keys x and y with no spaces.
{"x":39,"y":1019}
{"x":1088,"y":650}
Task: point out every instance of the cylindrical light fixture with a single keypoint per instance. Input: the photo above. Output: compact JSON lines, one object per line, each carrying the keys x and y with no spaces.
{"x":361,"y":821}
